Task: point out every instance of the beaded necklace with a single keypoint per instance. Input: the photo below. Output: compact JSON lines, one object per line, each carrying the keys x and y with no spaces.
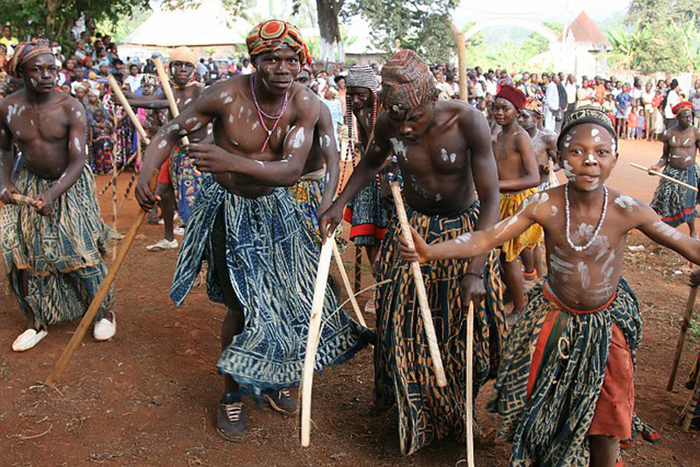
{"x":261,"y":113}
{"x":351,"y":145}
{"x":598,"y":227}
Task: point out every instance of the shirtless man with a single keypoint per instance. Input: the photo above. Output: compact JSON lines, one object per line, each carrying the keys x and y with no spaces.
{"x":582,"y":328}
{"x":518,"y":176}
{"x":544,"y":146}
{"x":52,"y":248}
{"x":321,"y":171}
{"x":444,"y":152}
{"x":675,"y":203}
{"x":366,"y":212}
{"x":178,"y":180}
{"x":262,"y":266}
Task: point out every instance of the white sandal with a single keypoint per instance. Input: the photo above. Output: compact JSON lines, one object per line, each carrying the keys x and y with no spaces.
{"x":28,"y":339}
{"x":105,"y":329}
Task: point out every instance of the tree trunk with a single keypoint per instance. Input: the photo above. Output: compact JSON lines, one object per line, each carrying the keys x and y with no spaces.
{"x":327,"y":11}
{"x":52,"y":11}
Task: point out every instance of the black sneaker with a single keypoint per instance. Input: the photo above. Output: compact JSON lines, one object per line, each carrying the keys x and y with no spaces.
{"x":283,"y":402}
{"x":230,"y":420}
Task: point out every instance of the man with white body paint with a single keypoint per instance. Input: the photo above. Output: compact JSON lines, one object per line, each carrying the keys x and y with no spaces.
{"x":444,"y":151}
{"x":52,"y":248}
{"x":565,"y":389}
{"x":262,"y":262}
{"x":178,"y":179}
{"x":675,"y":203}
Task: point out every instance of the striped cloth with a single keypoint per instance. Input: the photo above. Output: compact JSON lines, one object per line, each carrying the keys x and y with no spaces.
{"x":550,"y":427}
{"x":272,"y":266}
{"x":403,"y":369}
{"x":186,"y":180}
{"x":674,"y":203}
{"x":61,"y":252}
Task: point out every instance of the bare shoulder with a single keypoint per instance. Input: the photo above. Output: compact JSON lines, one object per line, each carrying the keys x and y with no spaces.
{"x":11,"y":100}
{"x":623,"y":203}
{"x":546,"y":205}
{"x":303,"y":96}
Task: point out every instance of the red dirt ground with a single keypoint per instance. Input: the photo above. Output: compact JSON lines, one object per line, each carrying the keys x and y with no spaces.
{"x":149,"y":396}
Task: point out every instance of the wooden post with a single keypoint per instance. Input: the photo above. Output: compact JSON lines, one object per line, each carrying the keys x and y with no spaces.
{"x":689,"y":307}
{"x":312,"y":340}
{"x":114,"y":173}
{"x":116,"y":264}
{"x":425,"y":312}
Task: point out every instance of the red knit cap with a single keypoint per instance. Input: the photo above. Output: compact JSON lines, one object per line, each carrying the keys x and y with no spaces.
{"x":513,"y":95}
{"x":681,"y":106}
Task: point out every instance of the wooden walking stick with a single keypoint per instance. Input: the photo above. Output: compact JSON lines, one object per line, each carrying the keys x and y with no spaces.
{"x":312,"y":340}
{"x":664,"y":176}
{"x":94,"y":307}
{"x":470,"y":385}
{"x":23,"y":199}
{"x":689,"y":307}
{"x":114,"y":175}
{"x":420,"y":286}
{"x":343,"y":273}
{"x":167,"y":90}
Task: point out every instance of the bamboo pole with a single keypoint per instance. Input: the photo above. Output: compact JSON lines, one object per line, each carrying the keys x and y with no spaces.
{"x":470,"y":385}
{"x":664,"y":176}
{"x":420,"y":288}
{"x":167,"y":90}
{"x":461,"y":60}
{"x":307,"y":378}
{"x":689,"y":308}
{"x":23,"y":199}
{"x":94,"y":307}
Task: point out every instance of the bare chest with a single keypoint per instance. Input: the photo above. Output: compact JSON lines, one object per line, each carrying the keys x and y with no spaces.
{"x":28,"y":125}
{"x":443,"y":155}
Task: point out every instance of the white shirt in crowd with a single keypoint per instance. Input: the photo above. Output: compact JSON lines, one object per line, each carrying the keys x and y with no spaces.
{"x":134,"y":82}
{"x":671,"y":101}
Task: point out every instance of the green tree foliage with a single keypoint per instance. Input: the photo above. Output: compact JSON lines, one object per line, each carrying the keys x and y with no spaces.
{"x":417,"y":24}
{"x":662,"y":36}
{"x":56,"y":17}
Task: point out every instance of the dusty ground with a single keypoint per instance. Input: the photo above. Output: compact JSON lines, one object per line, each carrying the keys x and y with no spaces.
{"x":148,"y":397}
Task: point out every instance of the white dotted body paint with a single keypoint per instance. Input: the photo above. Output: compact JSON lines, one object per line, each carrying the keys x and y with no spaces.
{"x":230,"y":118}
{"x":438,"y":197}
{"x":228,"y":100}
{"x":673,"y":139}
{"x":188,"y":100}
{"x":255,"y":126}
{"x":399,"y":148}
{"x":78,"y":114}
{"x":594,"y":131}
{"x":464,"y":238}
{"x":591,"y":159}
{"x":443,"y":154}
{"x":569,"y":171}
{"x":686,"y":141}
{"x":667,"y":230}
{"x":507,"y":223}
{"x":197,"y":126}
{"x":190,"y":120}
{"x":299,"y":138}
{"x":162,"y":144}
{"x":328,"y":141}
{"x":583,"y":272}
{"x":240,"y":111}
{"x":554,"y":211}
{"x":626,"y":202}
{"x":305,"y":98}
{"x":76,"y":143}
{"x":261,"y":163}
{"x":453,"y":157}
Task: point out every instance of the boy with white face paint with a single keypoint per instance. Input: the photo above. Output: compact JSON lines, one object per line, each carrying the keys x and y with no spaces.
{"x":581,"y":329}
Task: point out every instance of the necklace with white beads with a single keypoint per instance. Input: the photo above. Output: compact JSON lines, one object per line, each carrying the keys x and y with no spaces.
{"x":598,"y":227}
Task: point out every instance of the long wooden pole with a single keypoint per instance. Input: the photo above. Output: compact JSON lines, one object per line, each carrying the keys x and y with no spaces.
{"x":470,"y":385}
{"x":664,"y":176}
{"x":420,"y":288}
{"x":689,"y":308}
{"x":167,"y":90}
{"x":114,"y":174}
{"x":94,"y":307}
{"x":461,"y":61}
{"x":307,"y":378}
